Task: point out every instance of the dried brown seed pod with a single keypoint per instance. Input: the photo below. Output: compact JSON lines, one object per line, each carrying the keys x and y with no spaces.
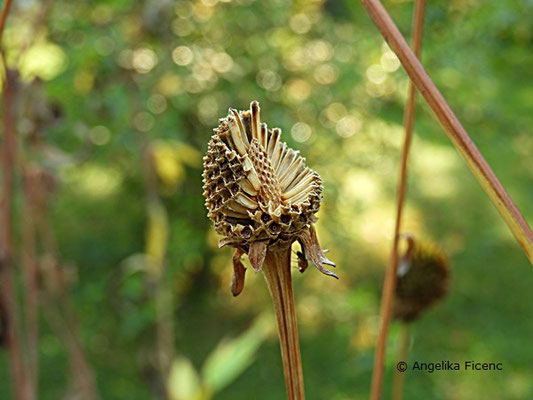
{"x":423,"y":279}
{"x":259,"y":193}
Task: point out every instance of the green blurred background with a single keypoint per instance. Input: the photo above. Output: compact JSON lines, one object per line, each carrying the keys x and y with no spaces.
{"x":116,"y":103}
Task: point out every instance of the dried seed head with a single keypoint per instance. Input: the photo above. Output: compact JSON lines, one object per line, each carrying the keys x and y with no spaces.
{"x":422,"y":280}
{"x":256,"y":187}
{"x":258,"y":191}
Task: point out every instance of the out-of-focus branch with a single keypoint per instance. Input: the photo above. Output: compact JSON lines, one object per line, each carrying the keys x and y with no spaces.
{"x":156,"y":247}
{"x":16,"y":359}
{"x":389,"y":285}
{"x":38,"y":22}
{"x":83,"y":381}
{"x":57,"y":304}
{"x":31,"y":188}
{"x":456,"y":132}
{"x":403,"y":349}
{"x":156,"y":244}
{"x":3,"y":17}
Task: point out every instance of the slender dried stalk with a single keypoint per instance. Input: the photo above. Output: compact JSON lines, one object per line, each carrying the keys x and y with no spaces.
{"x":276,"y":269}
{"x":16,"y":360}
{"x":3,"y":17}
{"x":156,"y":247}
{"x":390,"y":275}
{"x":61,"y":319}
{"x":456,"y":132}
{"x":36,"y":24}
{"x":403,"y":348}
{"x":31,"y":188}
{"x":59,"y":310}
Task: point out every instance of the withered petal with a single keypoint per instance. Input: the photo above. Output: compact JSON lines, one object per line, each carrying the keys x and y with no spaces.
{"x":309,"y":242}
{"x":257,"y":254}
{"x":302,"y":261}
{"x":224,"y":242}
{"x":237,"y":282}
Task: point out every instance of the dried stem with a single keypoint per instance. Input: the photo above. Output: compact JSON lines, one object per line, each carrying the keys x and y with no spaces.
{"x":59,"y":310}
{"x":156,"y":248}
{"x":276,"y":269}
{"x":37,"y":23}
{"x":457,"y":134}
{"x":61,"y":319}
{"x":3,"y":17}
{"x":31,"y":188}
{"x":403,"y":348}
{"x":55,"y":298}
{"x":16,"y":360}
{"x":389,"y":286}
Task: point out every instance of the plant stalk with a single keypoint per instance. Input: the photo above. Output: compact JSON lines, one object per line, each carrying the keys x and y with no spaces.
{"x":453,"y":128}
{"x":3,"y":17}
{"x":403,"y":348}
{"x":31,"y":188}
{"x":21,"y":387}
{"x":277,"y":272}
{"x":389,"y":286}
{"x":62,"y":320}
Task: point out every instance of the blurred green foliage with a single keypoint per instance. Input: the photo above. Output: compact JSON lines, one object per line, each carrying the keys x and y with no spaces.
{"x":118,"y":77}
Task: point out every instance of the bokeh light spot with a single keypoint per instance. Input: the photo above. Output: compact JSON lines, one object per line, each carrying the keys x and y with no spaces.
{"x":301,"y":132}
{"x":144,"y":121}
{"x":222,"y":62}
{"x":326,"y":74}
{"x":83,"y":81}
{"x":300,"y":23}
{"x":144,"y":60}
{"x":157,"y":103}
{"x":335,"y":111}
{"x":182,"y":55}
{"x":169,"y":85}
{"x":268,"y":80}
{"x":298,"y":90}
{"x":349,"y":125}
{"x":99,"y":135}
{"x":389,"y":61}
{"x":376,"y":74}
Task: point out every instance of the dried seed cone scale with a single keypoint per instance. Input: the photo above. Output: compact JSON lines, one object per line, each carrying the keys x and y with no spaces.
{"x":262,"y":198}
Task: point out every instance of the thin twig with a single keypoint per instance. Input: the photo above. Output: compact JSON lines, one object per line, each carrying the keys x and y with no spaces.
{"x":389,"y":286}
{"x":56,"y":301}
{"x":276,"y":270}
{"x":58,"y":307}
{"x":31,"y":187}
{"x":3,"y":18}
{"x":37,"y":23}
{"x":60,"y":319}
{"x":457,"y":134}
{"x":156,"y":269}
{"x":403,"y":348}
{"x":9,"y":297}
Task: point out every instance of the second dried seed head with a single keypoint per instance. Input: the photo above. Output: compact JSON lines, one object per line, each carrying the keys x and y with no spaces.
{"x":423,"y":279}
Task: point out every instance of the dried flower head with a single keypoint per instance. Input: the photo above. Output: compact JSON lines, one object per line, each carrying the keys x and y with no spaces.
{"x":422,"y":280}
{"x":259,"y":193}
